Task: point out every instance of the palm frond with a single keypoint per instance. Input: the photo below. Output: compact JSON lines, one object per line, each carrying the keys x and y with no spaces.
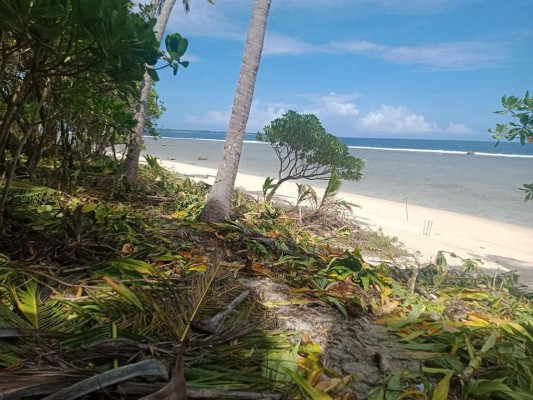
{"x":334,"y":185}
{"x":26,"y":193}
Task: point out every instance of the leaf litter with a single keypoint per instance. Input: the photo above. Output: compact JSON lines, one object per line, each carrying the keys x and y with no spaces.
{"x":112,"y":278}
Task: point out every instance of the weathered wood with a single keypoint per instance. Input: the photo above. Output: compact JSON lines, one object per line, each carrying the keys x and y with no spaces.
{"x":176,"y":388}
{"x":150,"y":367}
{"x":141,"y":389}
{"x":35,"y":389}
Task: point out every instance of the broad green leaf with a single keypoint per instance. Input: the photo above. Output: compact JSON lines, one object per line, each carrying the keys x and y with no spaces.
{"x":491,"y":341}
{"x":183,"y":44}
{"x":485,"y":387}
{"x":153,"y":74}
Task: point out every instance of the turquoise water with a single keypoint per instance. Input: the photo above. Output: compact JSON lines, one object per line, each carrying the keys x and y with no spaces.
{"x":485,"y":186}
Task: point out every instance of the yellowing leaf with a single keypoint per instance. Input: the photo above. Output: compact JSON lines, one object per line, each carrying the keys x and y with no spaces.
{"x":314,"y":377}
{"x":87,"y":208}
{"x":123,"y":291}
{"x":179,"y":214}
{"x":330,"y":384}
{"x":305,"y":387}
{"x":293,"y":302}
{"x":198,"y":267}
{"x":442,"y":389}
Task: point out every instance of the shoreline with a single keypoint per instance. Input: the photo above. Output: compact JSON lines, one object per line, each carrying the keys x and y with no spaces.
{"x":499,"y":245}
{"x":485,"y":187}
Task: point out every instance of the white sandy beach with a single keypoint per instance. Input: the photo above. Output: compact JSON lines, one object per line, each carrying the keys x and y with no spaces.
{"x":498,"y":245}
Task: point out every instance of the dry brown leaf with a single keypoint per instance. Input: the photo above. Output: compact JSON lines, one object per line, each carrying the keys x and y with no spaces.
{"x":127,"y":248}
{"x":385,"y":308}
{"x":260,"y":269}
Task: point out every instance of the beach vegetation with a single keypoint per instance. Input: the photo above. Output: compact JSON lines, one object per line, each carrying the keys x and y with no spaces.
{"x":69,"y":72}
{"x":306,"y":151}
{"x":521,"y":127}
{"x":218,"y":203}
{"x":114,"y":293}
{"x":176,"y":47}
{"x":115,"y":289}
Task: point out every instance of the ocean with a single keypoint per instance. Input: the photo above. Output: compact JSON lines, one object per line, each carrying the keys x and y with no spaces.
{"x":467,"y":177}
{"x":509,"y":149}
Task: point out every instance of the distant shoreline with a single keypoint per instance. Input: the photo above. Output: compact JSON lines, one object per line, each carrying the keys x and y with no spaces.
{"x":495,"y":244}
{"x":485,"y":187}
{"x":435,"y":151}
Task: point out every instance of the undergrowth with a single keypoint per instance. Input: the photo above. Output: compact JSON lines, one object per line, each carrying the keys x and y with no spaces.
{"x":109,"y":274}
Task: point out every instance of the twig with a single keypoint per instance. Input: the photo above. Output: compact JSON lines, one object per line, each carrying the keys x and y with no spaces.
{"x":212,"y":324}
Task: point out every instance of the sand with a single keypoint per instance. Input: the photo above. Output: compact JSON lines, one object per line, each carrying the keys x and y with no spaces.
{"x":497,"y":245}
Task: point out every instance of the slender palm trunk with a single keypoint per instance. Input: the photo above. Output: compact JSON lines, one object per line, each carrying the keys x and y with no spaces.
{"x":131,"y":164}
{"x":219,"y":201}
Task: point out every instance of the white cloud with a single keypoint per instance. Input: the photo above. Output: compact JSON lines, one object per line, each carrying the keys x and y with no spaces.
{"x":396,"y":120}
{"x":439,"y":56}
{"x":228,"y":20}
{"x":399,"y":120}
{"x":418,"y":6}
{"x":333,"y":105}
{"x":451,"y":56}
{"x":214,"y":119}
{"x":458,"y":128}
{"x":207,"y":20}
{"x":260,"y":115}
{"x":387,"y":6}
{"x":276,"y":43}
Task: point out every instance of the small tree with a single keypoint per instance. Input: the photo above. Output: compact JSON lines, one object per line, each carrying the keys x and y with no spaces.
{"x":306,"y":151}
{"x":523,"y":129}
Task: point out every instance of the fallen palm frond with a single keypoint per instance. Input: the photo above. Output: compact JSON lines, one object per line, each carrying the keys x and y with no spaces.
{"x":99,"y":285}
{"x":26,"y":193}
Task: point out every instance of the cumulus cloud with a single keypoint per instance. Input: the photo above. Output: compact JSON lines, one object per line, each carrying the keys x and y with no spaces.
{"x":333,"y":105}
{"x":400,"y":120}
{"x":260,"y":115}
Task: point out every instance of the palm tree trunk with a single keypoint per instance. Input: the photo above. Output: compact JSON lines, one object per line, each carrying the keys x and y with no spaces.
{"x":218,"y":203}
{"x":131,"y":164}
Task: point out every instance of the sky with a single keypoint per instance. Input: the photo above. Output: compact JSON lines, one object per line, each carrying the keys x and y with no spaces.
{"x":428,"y":69}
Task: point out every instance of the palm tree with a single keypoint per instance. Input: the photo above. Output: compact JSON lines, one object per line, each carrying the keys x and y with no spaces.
{"x":163,"y":9}
{"x":218,"y":203}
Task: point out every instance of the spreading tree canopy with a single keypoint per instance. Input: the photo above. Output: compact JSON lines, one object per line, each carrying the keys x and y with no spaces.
{"x":306,"y":151}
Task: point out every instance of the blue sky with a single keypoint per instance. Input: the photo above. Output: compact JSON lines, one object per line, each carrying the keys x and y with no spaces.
{"x":367,"y":68}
